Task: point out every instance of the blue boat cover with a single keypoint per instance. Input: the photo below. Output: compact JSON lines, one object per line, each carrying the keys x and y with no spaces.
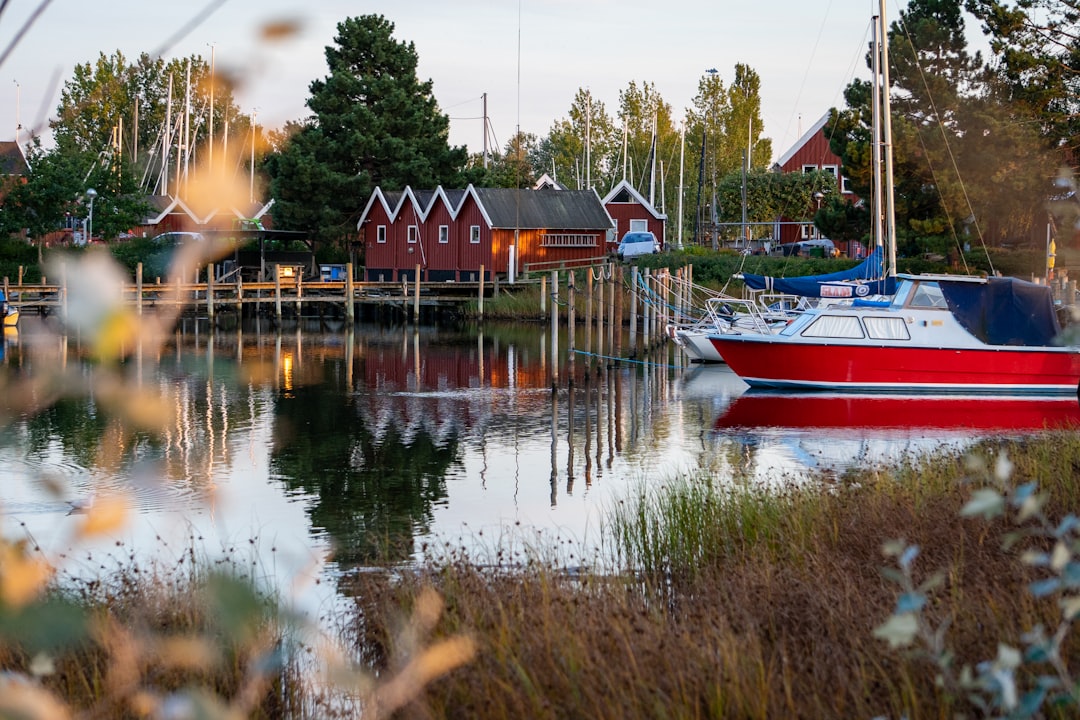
{"x":872,"y":268}
{"x":1004,"y":311}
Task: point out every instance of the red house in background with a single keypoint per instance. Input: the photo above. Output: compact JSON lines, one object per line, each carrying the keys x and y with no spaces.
{"x":633,"y":213}
{"x":451,"y":234}
{"x":811,"y":152}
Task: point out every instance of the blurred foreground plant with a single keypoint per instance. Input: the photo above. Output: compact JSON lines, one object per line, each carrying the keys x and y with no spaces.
{"x":1020,"y":682}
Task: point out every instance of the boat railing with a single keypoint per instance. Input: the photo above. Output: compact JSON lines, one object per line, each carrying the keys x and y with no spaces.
{"x":737,"y":314}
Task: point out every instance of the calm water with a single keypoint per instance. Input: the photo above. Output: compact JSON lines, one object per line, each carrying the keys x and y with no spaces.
{"x":307,"y":451}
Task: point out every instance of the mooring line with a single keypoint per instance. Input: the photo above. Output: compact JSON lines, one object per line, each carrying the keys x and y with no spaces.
{"x":629,"y":360}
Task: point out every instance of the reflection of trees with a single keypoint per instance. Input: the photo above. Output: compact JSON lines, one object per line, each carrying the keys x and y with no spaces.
{"x":371,"y":494}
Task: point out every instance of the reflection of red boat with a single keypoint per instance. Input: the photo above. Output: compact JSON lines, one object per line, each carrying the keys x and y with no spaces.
{"x":827,"y":411}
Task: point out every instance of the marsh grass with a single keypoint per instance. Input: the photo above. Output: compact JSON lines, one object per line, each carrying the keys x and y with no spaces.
{"x":738,"y":603}
{"x":138,"y":640}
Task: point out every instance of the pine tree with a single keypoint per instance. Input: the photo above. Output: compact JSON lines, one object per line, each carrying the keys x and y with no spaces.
{"x":373,"y":124}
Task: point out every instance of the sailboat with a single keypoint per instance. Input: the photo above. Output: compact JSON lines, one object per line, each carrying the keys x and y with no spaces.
{"x":935,"y":334}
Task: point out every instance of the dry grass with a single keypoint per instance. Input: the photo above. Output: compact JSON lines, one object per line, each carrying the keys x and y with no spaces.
{"x":780,"y":625}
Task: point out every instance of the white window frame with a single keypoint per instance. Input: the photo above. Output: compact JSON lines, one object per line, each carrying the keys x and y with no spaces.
{"x":414,"y":234}
{"x":444,"y":234}
{"x":886,"y":328}
{"x":845,"y":185}
{"x":639,"y":226}
{"x":809,"y":169}
{"x":474,"y":234}
{"x":832,"y":170}
{"x":835,"y":326}
{"x":380,"y":234}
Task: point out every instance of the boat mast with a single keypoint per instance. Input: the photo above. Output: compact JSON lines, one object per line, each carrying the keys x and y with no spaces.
{"x":890,"y":205}
{"x":875,"y":126}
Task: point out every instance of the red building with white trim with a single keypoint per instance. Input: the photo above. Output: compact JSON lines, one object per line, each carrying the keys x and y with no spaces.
{"x":811,"y":152}
{"x":451,"y":234}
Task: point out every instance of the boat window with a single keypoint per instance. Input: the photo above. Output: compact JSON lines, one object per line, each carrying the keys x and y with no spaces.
{"x":886,"y":328}
{"x":928,"y":295}
{"x":835,"y":326}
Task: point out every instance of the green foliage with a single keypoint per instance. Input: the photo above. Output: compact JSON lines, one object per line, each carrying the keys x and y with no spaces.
{"x":771,"y":195}
{"x":1018,"y":682}
{"x":969,"y":162}
{"x":374,"y":123}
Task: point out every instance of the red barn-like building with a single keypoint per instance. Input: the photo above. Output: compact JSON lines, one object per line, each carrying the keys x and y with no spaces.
{"x":451,"y":234}
{"x":811,"y":152}
{"x":633,"y":213}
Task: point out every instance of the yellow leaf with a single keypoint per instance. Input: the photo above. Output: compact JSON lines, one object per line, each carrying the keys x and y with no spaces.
{"x":21,"y":577}
{"x":104,"y":515}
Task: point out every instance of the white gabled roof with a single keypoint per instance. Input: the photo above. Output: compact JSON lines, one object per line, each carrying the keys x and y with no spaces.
{"x":625,"y":185}
{"x":783,"y":160}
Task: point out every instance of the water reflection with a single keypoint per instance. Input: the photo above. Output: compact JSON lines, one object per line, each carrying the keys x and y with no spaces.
{"x":376,"y":442}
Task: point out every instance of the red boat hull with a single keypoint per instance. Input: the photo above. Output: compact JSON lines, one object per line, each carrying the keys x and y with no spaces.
{"x":776,"y":363}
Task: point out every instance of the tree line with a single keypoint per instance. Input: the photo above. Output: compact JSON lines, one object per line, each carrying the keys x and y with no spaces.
{"x":984,"y":147}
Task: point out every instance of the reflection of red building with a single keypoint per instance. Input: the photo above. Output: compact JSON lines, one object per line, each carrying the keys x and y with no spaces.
{"x":811,"y":152}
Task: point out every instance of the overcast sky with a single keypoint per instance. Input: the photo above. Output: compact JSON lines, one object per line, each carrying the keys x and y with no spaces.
{"x":529,"y":56}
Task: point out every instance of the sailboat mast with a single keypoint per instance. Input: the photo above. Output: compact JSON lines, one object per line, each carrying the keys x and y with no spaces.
{"x":875,"y":125}
{"x":886,"y":112}
{"x":166,"y":141}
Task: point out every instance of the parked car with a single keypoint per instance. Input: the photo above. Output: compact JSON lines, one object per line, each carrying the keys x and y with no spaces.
{"x":807,"y":248}
{"x":637,"y":243}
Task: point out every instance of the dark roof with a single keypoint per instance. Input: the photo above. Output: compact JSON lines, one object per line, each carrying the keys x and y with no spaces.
{"x":532,"y":209}
{"x":12,"y":161}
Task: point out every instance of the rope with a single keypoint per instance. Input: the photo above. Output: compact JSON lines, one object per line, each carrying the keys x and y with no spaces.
{"x":627,"y":360}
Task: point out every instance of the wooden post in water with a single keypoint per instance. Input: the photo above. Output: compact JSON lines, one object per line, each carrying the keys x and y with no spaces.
{"x":63,"y":290}
{"x":543,"y":295}
{"x":210,"y":292}
{"x":299,"y":293}
{"x":239,"y":295}
{"x":416,"y":297}
{"x":633,"y":310}
{"x":138,"y":288}
{"x":7,"y":293}
{"x":277,"y":293}
{"x":619,"y":318}
{"x":588,"y":319}
{"x":350,"y":295}
{"x":611,"y":312}
{"x":600,"y":318}
{"x":554,"y":329}
{"x":646,"y":309}
{"x":20,"y":275}
{"x":571,"y":292}
{"x":480,"y":299}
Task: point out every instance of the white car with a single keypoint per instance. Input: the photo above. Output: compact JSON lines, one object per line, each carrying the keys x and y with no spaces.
{"x":637,"y":243}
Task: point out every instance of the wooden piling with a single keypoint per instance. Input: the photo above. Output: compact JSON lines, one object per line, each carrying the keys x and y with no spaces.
{"x":350,"y":295}
{"x":138,"y":288}
{"x":571,"y":292}
{"x":210,"y":292}
{"x":611,"y":310}
{"x":589,"y":318}
{"x":646,"y":310}
{"x":600,"y":318}
{"x":543,"y":295}
{"x":554,"y":329}
{"x":416,"y":297}
{"x":277,"y":293}
{"x":480,"y":292}
{"x":633,"y":310}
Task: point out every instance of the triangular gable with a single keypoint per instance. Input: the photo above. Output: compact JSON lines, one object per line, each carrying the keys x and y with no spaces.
{"x":12,"y":159}
{"x":624,"y":188}
{"x":166,"y":205}
{"x":420,"y":201}
{"x":814,"y":129}
{"x":546,"y":181}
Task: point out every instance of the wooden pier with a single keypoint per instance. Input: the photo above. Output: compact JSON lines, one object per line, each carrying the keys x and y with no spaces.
{"x":283,"y":295}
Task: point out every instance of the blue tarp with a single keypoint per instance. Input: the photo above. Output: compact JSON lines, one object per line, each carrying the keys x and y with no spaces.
{"x":1004,"y":311}
{"x":872,"y":268}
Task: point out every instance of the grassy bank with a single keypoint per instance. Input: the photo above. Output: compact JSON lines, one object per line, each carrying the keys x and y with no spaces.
{"x":746,"y":605}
